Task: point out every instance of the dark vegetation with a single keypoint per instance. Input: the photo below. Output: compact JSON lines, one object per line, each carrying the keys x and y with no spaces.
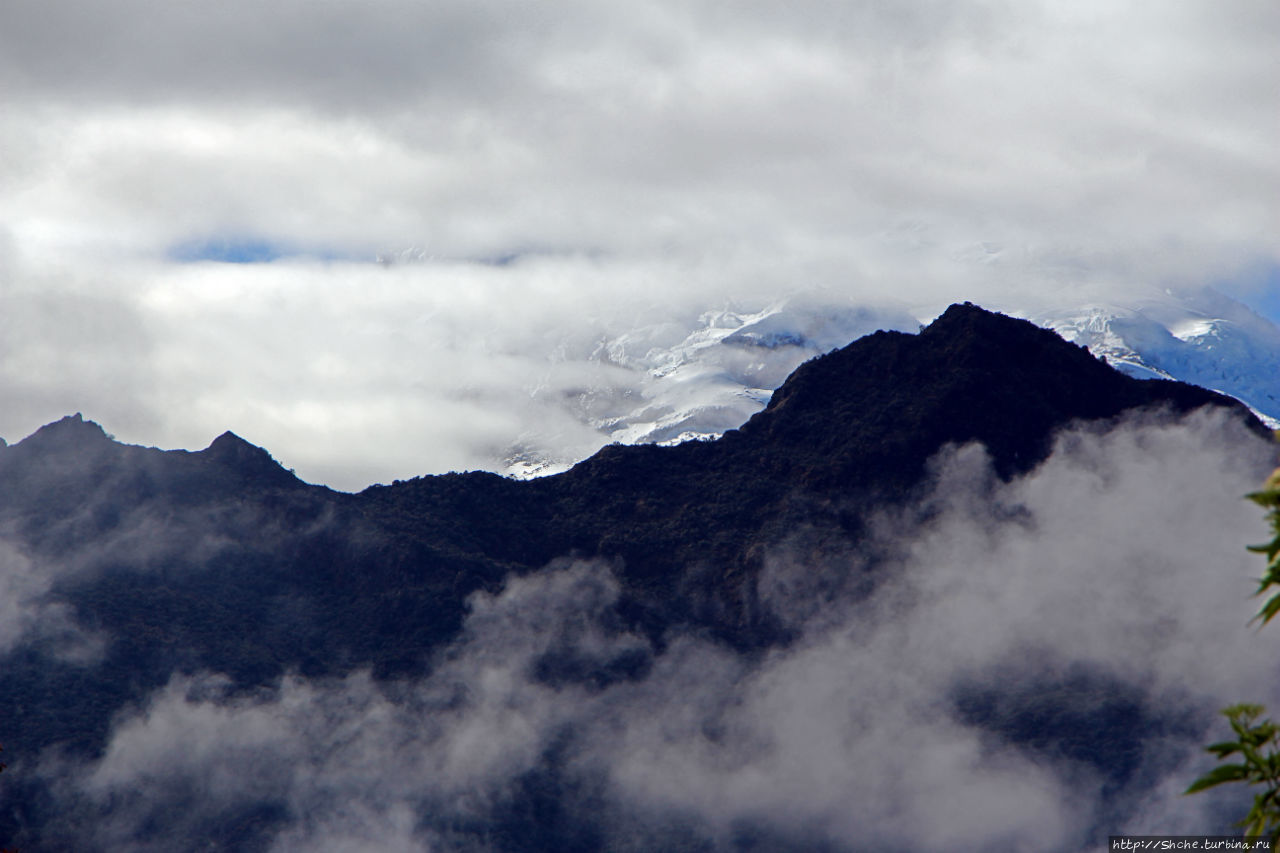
{"x":222,"y":560}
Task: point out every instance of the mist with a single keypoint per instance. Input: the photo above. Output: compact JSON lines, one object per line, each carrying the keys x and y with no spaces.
{"x":1035,"y":665}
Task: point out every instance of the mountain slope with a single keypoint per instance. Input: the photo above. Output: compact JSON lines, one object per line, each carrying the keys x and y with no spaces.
{"x":1203,"y":338}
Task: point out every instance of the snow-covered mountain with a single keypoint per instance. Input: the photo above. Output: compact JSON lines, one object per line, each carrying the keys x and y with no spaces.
{"x":1202,"y":337}
{"x":695,"y":381}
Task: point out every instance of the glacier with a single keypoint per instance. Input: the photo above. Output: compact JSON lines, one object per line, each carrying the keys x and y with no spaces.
{"x":1202,"y":337}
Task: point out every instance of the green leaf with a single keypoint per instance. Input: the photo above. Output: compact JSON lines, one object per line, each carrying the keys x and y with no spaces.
{"x":1269,"y":609}
{"x":1219,"y":775}
{"x":1222,"y":750}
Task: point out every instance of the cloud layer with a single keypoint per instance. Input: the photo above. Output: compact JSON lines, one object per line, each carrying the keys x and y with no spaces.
{"x":1109,"y":586}
{"x":564,"y":170}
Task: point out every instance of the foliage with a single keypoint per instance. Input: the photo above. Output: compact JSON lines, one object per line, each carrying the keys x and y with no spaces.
{"x":1269,"y":498}
{"x":1258,"y":744}
{"x":1257,"y":740}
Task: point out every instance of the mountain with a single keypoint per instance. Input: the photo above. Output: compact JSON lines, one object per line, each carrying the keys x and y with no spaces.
{"x":700,"y":380}
{"x":144,"y":582}
{"x":1202,"y":337}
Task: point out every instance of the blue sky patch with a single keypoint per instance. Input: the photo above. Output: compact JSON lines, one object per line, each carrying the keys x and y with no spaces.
{"x":246,"y":250}
{"x":229,"y":251}
{"x":1260,"y":290}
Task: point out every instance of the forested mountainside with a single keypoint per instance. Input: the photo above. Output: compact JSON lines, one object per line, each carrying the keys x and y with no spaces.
{"x":131,"y":566}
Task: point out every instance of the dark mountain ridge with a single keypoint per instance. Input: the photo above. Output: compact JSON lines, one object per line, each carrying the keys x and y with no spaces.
{"x":223,"y":560}
{"x":847,"y":431}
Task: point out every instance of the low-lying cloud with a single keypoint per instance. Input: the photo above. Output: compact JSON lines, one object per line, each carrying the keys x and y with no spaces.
{"x":1108,"y":588}
{"x":30,"y":615}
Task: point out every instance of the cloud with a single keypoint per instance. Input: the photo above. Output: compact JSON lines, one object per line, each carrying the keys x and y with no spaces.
{"x":853,"y":734}
{"x":1036,"y":666}
{"x":682,"y":156}
{"x":354,"y":374}
{"x":30,"y":616}
{"x":353,"y":759}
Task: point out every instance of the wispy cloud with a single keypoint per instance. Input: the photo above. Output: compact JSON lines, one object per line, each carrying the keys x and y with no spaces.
{"x":31,"y":616}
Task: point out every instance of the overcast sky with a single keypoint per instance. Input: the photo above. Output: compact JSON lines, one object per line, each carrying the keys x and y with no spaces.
{"x":192,"y":197}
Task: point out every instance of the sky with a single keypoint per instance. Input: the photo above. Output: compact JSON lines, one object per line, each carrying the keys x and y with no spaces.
{"x":390,"y":238}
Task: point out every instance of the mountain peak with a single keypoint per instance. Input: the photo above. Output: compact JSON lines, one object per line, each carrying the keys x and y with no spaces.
{"x":962,"y":318}
{"x":71,"y":430}
{"x":971,"y":375}
{"x":229,"y":442}
{"x":231,"y":451}
{"x":973,"y":335}
{"x":960,"y":311}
